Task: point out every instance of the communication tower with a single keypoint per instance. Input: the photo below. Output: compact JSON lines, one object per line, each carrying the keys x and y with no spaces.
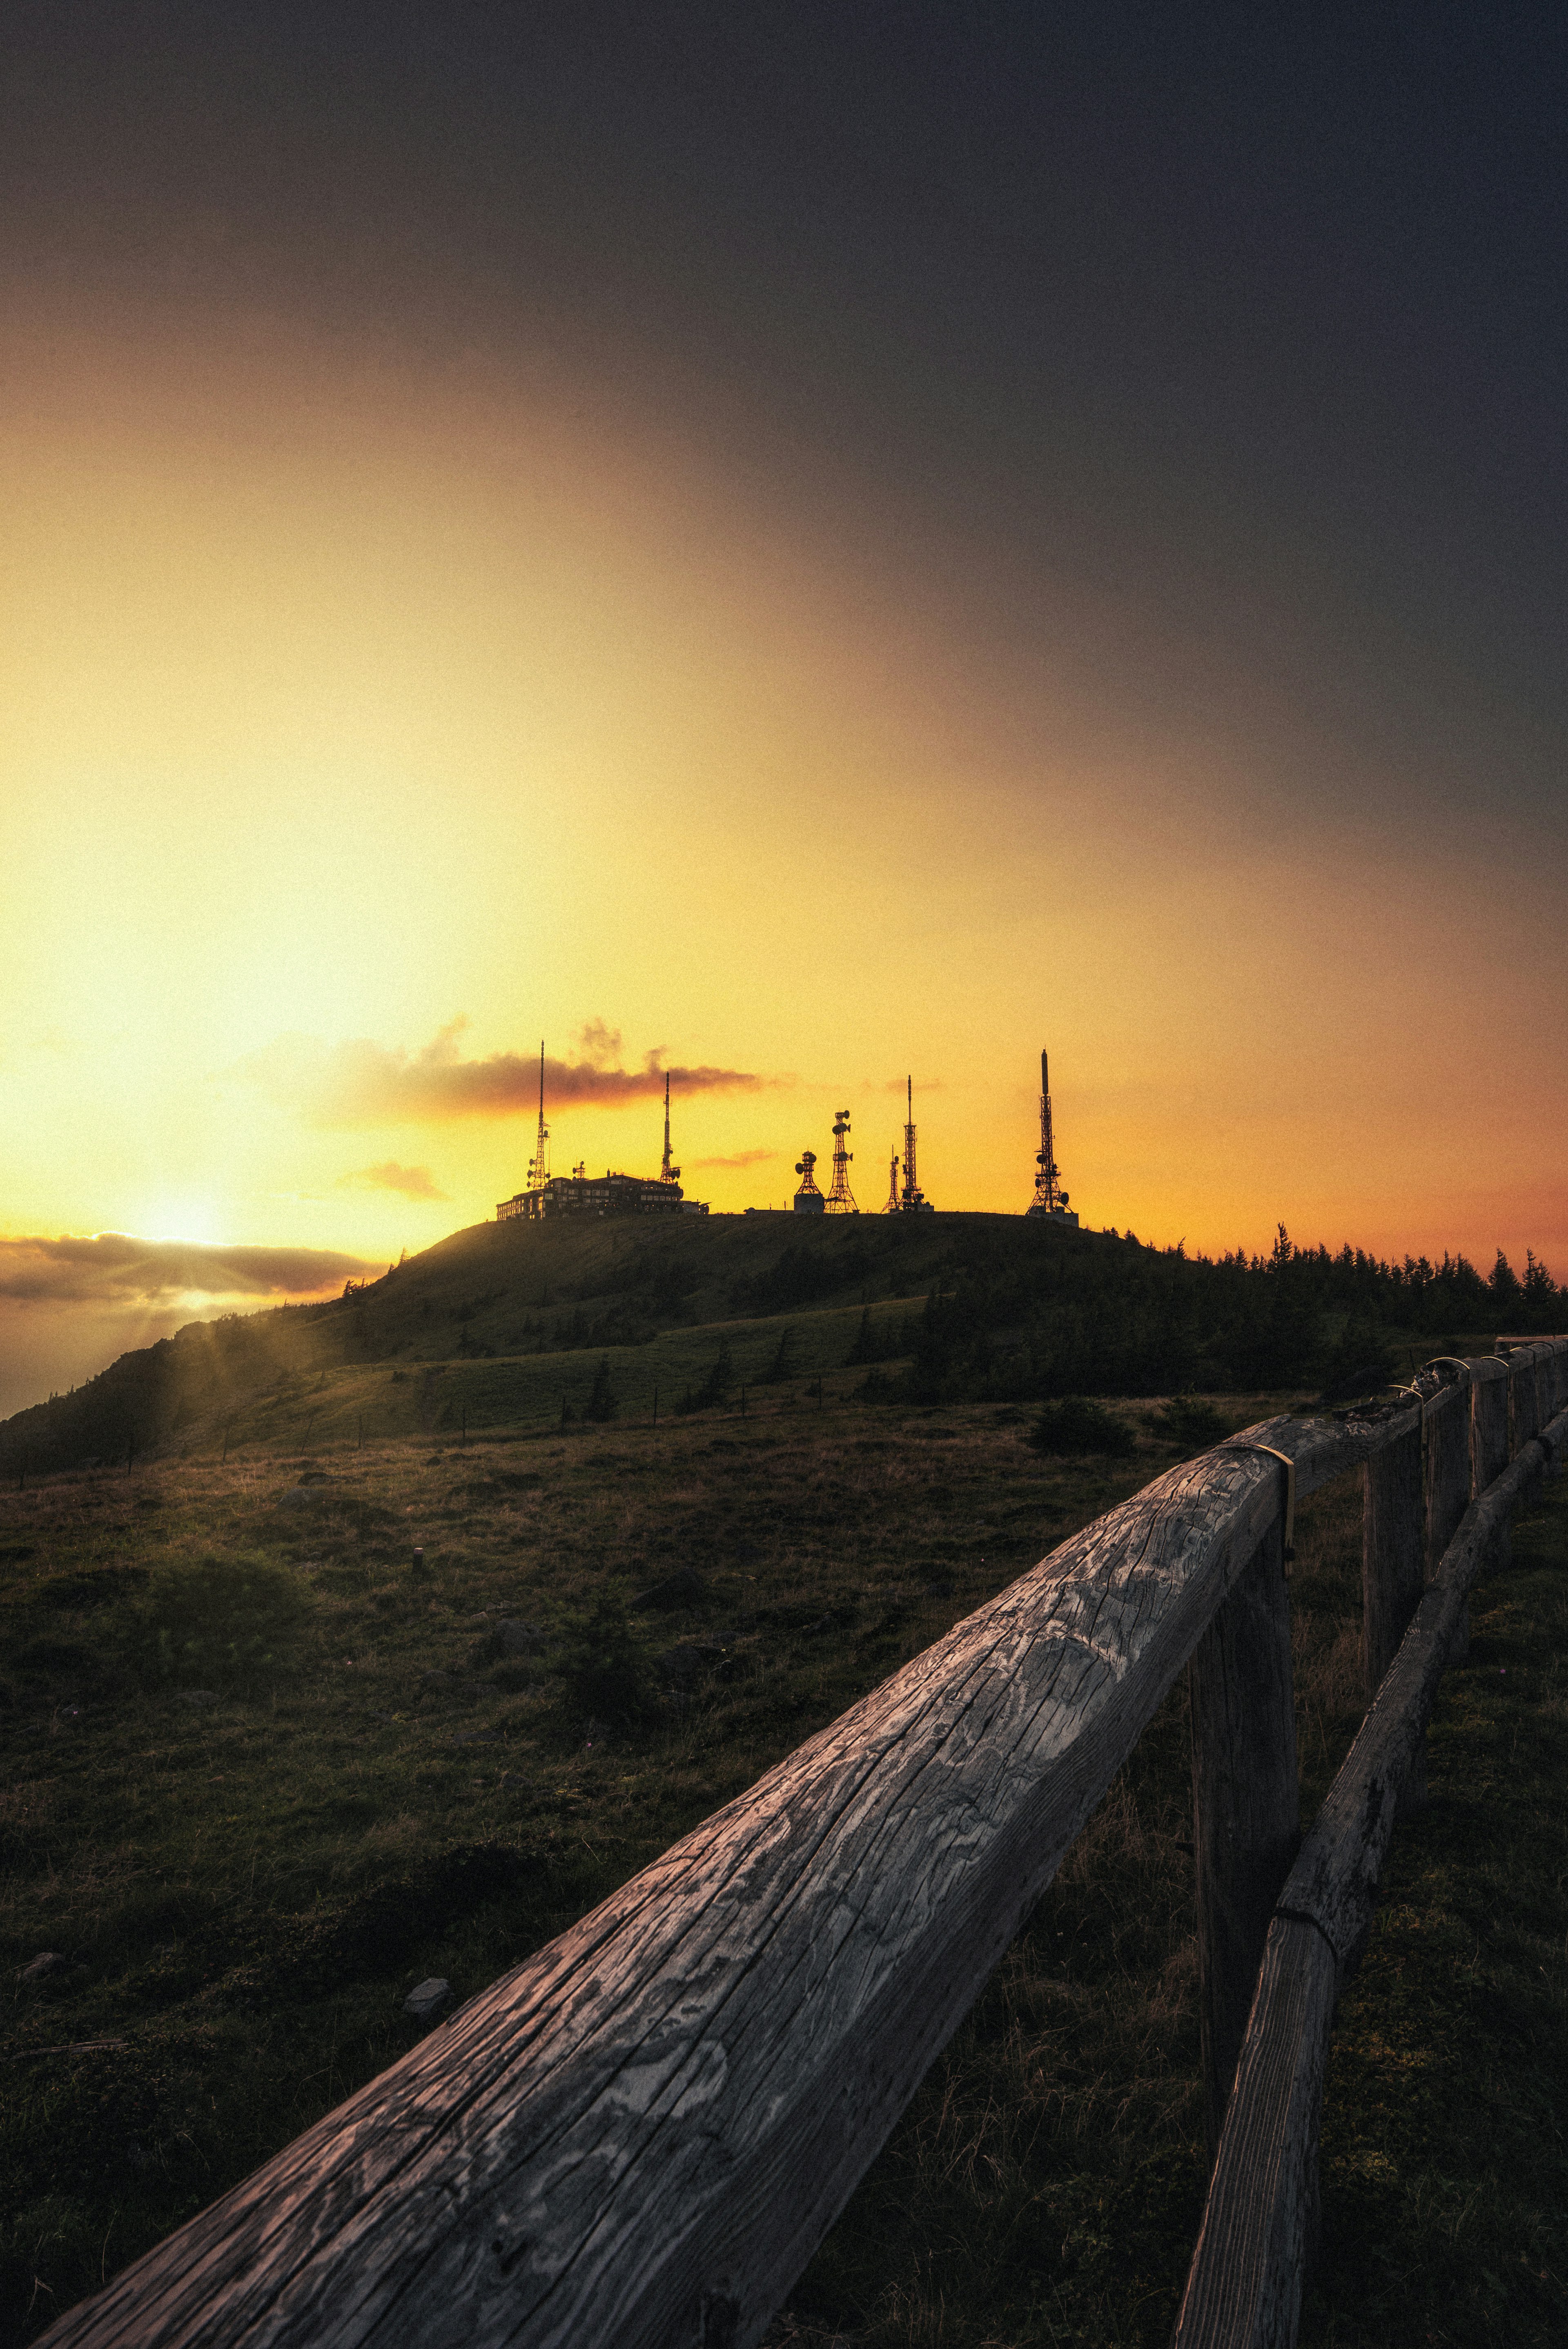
{"x":668,"y":1173}
{"x":538,"y":1164}
{"x":808,"y":1200}
{"x":891,"y":1206}
{"x":1049,"y":1198}
{"x":840,"y":1199}
{"x":911,"y":1200}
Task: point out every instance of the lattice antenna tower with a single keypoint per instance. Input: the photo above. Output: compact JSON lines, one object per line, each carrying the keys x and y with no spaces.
{"x":1049,"y":1198}
{"x":909,"y":1200}
{"x":668,"y":1173}
{"x":804,"y":1166}
{"x":840,"y":1199}
{"x":891,"y":1206}
{"x":538,"y":1164}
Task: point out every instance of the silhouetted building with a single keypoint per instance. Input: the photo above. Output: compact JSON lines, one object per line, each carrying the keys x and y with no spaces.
{"x":580,"y":1194}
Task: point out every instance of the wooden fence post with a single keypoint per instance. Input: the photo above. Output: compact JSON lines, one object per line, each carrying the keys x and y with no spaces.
{"x":1447,"y":1482}
{"x":1489,"y":1422}
{"x":1393,"y":1570}
{"x":1523,"y":1418}
{"x":1246,"y":1801}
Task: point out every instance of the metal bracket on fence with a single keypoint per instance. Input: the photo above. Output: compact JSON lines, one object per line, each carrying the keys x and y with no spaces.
{"x":1275,"y":1453}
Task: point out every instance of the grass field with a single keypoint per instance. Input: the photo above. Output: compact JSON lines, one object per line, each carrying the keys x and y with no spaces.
{"x":263,"y":1773}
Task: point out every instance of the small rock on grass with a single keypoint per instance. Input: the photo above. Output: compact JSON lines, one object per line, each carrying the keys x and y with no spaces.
{"x":427,"y":1998}
{"x":519,"y":1639}
{"x":46,"y":1962}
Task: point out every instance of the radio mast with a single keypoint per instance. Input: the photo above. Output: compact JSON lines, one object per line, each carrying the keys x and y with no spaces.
{"x":891,"y":1206}
{"x":538,"y":1164}
{"x":1049,"y":1198}
{"x":668,"y":1173}
{"x":912,"y":1200}
{"x":840,"y":1199}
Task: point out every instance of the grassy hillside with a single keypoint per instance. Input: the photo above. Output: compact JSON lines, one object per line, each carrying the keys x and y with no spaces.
{"x":375,"y":1665}
{"x":523,"y":1327}
{"x":261,"y":1771}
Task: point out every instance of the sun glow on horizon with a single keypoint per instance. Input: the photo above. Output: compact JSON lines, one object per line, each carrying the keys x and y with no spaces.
{"x":349,"y":698}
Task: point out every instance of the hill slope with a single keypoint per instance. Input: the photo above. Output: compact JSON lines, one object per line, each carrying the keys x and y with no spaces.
{"x":525,"y":1298}
{"x":526,"y":1325}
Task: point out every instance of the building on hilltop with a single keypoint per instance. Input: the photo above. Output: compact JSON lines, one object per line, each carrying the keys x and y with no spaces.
{"x":581,"y":1193}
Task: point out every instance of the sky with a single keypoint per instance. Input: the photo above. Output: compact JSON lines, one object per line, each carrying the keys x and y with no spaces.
{"x":797,"y":545}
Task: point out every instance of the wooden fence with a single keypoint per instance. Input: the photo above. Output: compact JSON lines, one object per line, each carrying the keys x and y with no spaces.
{"x":639,"y":2136}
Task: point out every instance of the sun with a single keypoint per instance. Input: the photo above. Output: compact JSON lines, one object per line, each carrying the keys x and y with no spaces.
{"x":181,"y":1217}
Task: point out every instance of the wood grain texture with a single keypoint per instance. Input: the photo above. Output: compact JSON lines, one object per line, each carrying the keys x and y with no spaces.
{"x":640,"y":2135}
{"x":1244,"y":2289}
{"x":1244,"y":2285}
{"x":1246,"y":1801}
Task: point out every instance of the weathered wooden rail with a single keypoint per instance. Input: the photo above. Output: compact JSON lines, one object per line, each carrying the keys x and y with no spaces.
{"x":639,"y":2136}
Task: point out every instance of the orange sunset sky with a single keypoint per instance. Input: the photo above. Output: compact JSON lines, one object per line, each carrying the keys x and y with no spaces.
{"x":400,"y":662}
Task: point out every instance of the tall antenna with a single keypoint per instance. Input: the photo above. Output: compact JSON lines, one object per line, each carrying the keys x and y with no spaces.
{"x":668,"y":1173}
{"x":891,"y":1206}
{"x":911,"y":1200}
{"x":840,"y":1199}
{"x":1049,"y":1198}
{"x":538,"y":1164}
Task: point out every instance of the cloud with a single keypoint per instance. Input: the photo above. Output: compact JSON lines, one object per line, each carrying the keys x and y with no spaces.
{"x":926,"y":1085}
{"x":412,"y":1182}
{"x":741,"y":1158}
{"x":117,"y":1268}
{"x":360,"y":1082}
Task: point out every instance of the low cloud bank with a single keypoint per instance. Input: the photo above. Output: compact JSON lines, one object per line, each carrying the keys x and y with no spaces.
{"x":361,"y":1083}
{"x":117,"y":1269}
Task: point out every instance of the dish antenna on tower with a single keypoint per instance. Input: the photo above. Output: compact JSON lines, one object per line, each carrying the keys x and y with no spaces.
{"x":1049,"y":1198}
{"x":840,"y":1199}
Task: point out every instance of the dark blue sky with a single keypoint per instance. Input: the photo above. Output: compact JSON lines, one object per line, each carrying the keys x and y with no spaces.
{"x":1249,"y":322}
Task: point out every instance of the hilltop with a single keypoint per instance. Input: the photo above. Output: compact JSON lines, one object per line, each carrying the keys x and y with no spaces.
{"x":526,"y":1326}
{"x":497,"y":1313}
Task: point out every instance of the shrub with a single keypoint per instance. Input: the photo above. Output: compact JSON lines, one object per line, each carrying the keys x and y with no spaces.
{"x":220,"y":1618}
{"x":1189,"y":1422}
{"x":715,"y":1388}
{"x":601,"y":1403}
{"x":605,"y":1668}
{"x":1077,"y":1425}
